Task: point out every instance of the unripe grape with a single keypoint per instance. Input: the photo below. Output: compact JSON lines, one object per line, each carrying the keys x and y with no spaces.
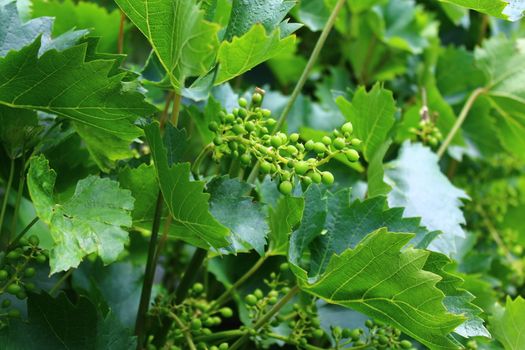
{"x":309,"y":145}
{"x":318,"y":333}
{"x":198,"y":288}
{"x":369,"y":323}
{"x":196,"y":324}
{"x":356,"y":142}
{"x":213,"y":126}
{"x":316,"y":177}
{"x":256,"y":98}
{"x":352,"y":155}
{"x":383,"y":340}
{"x":270,"y":121}
{"x":41,"y":258}
{"x":13,"y":288}
{"x":284,"y":267}
{"x":327,"y":177}
{"x":339,"y":143}
{"x":258,"y":293}
{"x":223,"y":346}
{"x":229,"y":118}
{"x":238,"y":129}
{"x":286,"y":187}
{"x":273,"y":300}
{"x":276,"y":141}
{"x":235,"y":112}
{"x":251,"y":299}
{"x":243,"y":113}
{"x":347,"y":333}
{"x":337,"y":331}
{"x":13,"y":255}
{"x":292,"y":150}
{"x":3,"y":275}
{"x":405,"y":344}
{"x":294,"y":137}
{"x":21,"y":295}
{"x":30,"y":286}
{"x":250,"y":126}
{"x":216,"y":320}
{"x":301,"y":167}
{"x":213,"y":347}
{"x":29,"y":272}
{"x":245,"y":159}
{"x":218,"y":140}
{"x":265,"y":167}
{"x":355,"y":334}
{"x":347,"y":128}
{"x":226,"y":312}
{"x":242,"y":102}
{"x":306,"y":180}
{"x":326,"y":140}
{"x":319,"y":147}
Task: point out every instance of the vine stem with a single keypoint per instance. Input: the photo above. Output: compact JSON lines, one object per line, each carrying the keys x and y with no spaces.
{"x":262,"y":321}
{"x":147,"y":284}
{"x":184,"y":328}
{"x":60,"y":282}
{"x":120,"y":42}
{"x":286,"y":340}
{"x":197,"y":163}
{"x":461,"y":119}
{"x":310,"y":64}
{"x":3,"y":238}
{"x":22,"y":233}
{"x":21,"y":185}
{"x":224,"y":297}
{"x":220,"y":335}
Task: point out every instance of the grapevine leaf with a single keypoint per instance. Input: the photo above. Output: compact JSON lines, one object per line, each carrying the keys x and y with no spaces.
{"x":14,"y":34}
{"x":457,"y":300}
{"x":506,"y":9}
{"x":69,"y":15}
{"x":231,"y":206}
{"x":245,"y":52}
{"x":503,"y":62}
{"x":282,"y":220}
{"x":247,"y":13}
{"x":91,"y":221}
{"x":183,"y":40}
{"x":507,"y":324}
{"x":376,"y":172}
{"x":384,"y":281}
{"x":63,"y":83}
{"x":331,"y":224}
{"x":372,"y":114}
{"x":314,"y":14}
{"x":57,"y":324}
{"x":420,"y":187}
{"x":186,"y":200}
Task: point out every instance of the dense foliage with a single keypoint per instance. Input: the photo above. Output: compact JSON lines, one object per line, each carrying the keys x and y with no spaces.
{"x":262,"y":174}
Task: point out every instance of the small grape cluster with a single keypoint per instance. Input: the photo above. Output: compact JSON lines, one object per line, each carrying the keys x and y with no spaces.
{"x":427,"y":132}
{"x":379,"y":336}
{"x":248,"y":134}
{"x":196,"y":316}
{"x":16,"y":272}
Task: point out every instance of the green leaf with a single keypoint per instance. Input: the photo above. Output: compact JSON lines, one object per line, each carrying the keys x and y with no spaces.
{"x":503,"y":63}
{"x":63,"y":83}
{"x":457,"y":300}
{"x":331,"y":224}
{"x":230,"y":204}
{"x":91,"y":221}
{"x":372,"y":114}
{"x":282,"y":220}
{"x":183,"y":40}
{"x":415,"y":172}
{"x":247,"y":13}
{"x":14,"y":34}
{"x":69,"y":15}
{"x":188,"y":204}
{"x":57,"y":324}
{"x":381,"y":279}
{"x":376,"y":172}
{"x":314,"y":14}
{"x":245,"y":52}
{"x":507,"y":324}
{"x":506,"y":9}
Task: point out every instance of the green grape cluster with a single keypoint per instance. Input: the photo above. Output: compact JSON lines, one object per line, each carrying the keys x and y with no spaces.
{"x":378,"y":336}
{"x":247,"y":134}
{"x":195,"y":315}
{"x":16,"y":272}
{"x":427,"y":132}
